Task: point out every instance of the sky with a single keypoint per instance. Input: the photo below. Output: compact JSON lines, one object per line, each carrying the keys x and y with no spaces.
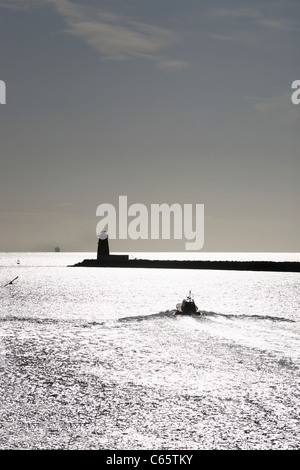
{"x":164,"y":101}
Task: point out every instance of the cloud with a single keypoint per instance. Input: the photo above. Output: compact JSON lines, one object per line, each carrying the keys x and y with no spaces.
{"x":280,"y":106}
{"x":113,"y":36}
{"x":169,"y":64}
{"x":221,"y":37}
{"x":235,"y":13}
{"x":283,"y":25}
{"x":115,"y":41}
{"x":249,"y":25}
{"x":20,"y":4}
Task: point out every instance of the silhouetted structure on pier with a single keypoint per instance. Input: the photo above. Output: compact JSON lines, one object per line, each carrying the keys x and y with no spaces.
{"x":103,"y":255}
{"x":103,"y":246}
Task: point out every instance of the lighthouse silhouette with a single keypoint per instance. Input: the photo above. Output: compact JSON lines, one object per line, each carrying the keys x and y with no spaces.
{"x":103,"y":246}
{"x":103,"y":254}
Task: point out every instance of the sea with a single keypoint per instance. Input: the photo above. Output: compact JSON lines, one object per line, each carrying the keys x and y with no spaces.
{"x":95,"y":358}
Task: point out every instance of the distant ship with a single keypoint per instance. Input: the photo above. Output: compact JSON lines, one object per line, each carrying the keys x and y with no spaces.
{"x":57,"y":249}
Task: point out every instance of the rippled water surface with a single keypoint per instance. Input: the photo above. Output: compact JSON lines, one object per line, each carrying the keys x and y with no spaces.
{"x":95,"y":359}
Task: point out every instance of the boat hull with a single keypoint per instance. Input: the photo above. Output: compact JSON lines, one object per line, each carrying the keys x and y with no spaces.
{"x":187,"y":309}
{"x":189,"y":314}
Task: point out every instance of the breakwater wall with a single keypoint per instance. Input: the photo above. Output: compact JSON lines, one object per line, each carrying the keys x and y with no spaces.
{"x":275,"y":266}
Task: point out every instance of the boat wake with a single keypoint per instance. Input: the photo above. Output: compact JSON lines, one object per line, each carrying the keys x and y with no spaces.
{"x":245,"y":317}
{"x":14,"y":318}
{"x":151,"y":316}
{"x":200,"y":316}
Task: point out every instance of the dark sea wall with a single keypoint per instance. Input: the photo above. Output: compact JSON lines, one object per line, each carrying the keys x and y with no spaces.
{"x":276,"y":266}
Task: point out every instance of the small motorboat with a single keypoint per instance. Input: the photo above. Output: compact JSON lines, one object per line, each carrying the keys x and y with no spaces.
{"x":187,"y":307}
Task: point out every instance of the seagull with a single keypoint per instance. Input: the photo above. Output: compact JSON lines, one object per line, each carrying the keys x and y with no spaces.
{"x":11,"y":281}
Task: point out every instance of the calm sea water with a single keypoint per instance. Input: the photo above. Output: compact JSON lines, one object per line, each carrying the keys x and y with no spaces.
{"x":94,"y":358}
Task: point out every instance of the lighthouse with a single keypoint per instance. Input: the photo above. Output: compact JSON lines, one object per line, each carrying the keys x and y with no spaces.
{"x":103,"y":254}
{"x":103,"y":247}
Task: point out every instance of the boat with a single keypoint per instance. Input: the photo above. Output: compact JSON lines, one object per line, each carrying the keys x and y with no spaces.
{"x":187,"y":307}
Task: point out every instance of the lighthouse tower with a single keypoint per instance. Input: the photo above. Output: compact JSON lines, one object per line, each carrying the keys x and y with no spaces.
{"x":103,"y":255}
{"x":103,"y":247}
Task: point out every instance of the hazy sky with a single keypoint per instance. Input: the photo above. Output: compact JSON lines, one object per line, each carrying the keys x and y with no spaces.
{"x":185,"y":101}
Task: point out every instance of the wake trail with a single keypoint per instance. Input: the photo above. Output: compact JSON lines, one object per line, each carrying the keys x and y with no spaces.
{"x":246,"y":317}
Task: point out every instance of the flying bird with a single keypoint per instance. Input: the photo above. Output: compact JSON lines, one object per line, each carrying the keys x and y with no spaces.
{"x":11,"y":281}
